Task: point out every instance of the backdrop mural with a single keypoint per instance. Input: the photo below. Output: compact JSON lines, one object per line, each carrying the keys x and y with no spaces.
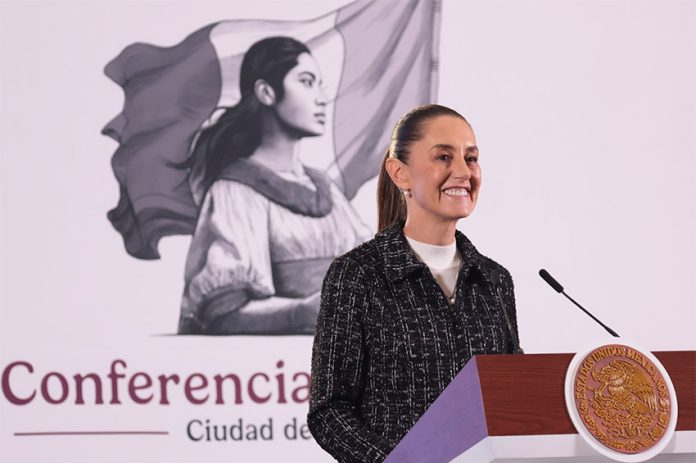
{"x":209,"y":145}
{"x":177,"y":175}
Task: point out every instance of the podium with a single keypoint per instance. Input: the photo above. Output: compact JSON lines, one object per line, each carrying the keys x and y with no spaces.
{"x":511,"y":408}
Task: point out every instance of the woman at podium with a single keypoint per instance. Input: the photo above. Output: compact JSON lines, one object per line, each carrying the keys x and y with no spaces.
{"x":402,"y":313}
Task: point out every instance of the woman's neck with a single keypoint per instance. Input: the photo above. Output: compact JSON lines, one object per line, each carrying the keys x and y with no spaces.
{"x":431,"y":232}
{"x":279,"y":150}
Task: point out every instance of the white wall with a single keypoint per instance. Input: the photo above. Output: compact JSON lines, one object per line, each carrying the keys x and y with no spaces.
{"x":586,"y":114}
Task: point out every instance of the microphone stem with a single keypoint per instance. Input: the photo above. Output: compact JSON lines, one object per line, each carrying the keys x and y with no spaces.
{"x":609,"y":330}
{"x":515,"y":342}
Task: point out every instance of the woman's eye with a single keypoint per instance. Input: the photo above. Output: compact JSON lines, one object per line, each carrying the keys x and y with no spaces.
{"x":307,"y":82}
{"x":444,"y":157}
{"x":472,"y":160}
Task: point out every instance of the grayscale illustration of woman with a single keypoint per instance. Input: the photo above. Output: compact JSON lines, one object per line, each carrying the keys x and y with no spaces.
{"x":268,"y":226}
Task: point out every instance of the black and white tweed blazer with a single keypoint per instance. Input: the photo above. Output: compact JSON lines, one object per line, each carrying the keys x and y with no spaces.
{"x":388,"y":341}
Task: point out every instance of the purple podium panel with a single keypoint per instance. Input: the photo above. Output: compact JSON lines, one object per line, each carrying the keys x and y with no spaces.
{"x":455,"y":422}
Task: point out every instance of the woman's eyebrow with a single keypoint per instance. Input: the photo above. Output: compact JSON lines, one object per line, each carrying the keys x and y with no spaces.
{"x":448,"y":147}
{"x":308,"y":74}
{"x":442,"y":146}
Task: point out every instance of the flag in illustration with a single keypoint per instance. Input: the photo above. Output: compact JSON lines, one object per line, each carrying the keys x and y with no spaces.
{"x":378,"y":58}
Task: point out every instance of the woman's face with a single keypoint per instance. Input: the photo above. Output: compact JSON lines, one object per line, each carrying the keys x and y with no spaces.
{"x":303,"y":106}
{"x":443,"y":171}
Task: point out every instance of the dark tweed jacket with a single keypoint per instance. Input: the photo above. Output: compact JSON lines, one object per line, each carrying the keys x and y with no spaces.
{"x":388,"y":342}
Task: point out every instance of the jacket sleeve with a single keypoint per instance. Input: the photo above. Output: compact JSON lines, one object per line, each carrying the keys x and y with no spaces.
{"x":338,"y":368}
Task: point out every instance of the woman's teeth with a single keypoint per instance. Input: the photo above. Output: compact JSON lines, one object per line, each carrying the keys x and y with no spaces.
{"x":456,"y":192}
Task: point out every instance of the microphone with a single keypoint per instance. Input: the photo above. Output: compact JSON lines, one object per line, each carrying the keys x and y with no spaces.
{"x":495,"y":279}
{"x":557,"y":286}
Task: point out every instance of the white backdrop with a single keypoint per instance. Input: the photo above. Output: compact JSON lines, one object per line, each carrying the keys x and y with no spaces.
{"x":585,"y":113}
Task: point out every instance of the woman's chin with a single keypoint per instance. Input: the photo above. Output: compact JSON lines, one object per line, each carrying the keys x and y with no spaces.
{"x":459,"y":211}
{"x":464,"y":212}
{"x":318,"y":131}
{"x":313,"y":131}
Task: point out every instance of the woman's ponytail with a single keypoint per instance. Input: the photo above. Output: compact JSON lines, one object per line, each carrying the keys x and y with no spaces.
{"x":391,"y":206}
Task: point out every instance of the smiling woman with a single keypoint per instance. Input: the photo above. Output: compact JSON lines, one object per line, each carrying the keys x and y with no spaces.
{"x":402,"y":313}
{"x":268,"y":226}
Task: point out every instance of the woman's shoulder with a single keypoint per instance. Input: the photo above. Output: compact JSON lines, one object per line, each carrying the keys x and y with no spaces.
{"x":364,"y":253}
{"x":491,"y":266}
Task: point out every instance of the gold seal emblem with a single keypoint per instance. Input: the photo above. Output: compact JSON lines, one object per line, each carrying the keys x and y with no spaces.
{"x":622,"y":398}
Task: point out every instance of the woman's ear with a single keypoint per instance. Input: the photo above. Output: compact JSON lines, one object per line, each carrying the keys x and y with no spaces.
{"x":398,"y":171}
{"x":264,"y":92}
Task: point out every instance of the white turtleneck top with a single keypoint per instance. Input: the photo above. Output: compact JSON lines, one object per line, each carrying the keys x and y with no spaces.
{"x":443,"y":261}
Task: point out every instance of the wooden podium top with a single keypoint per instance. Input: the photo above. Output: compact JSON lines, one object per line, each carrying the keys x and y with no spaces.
{"x":523,"y":395}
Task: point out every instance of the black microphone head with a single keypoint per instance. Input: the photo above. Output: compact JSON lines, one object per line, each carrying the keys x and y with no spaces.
{"x":549,"y":279}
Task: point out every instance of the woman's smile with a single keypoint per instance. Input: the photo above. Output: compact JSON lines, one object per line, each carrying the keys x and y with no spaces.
{"x":457,"y":191}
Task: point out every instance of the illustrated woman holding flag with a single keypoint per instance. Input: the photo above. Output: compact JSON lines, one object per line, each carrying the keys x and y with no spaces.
{"x":402,"y":313}
{"x":268,"y":227}
{"x":265,"y":227}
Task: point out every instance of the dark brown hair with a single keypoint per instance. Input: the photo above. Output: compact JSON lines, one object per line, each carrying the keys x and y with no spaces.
{"x":237,"y":133}
{"x":391,"y":206}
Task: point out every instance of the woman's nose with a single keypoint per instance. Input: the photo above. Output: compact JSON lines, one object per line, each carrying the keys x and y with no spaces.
{"x":322,"y":99}
{"x":460,"y":168}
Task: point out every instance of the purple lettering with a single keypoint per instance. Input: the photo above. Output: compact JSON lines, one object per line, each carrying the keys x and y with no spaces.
{"x":7,"y":390}
{"x":63,"y":385}
{"x":304,"y":387}
{"x":113,"y":376}
{"x":79,"y":379}
{"x":189,"y":388}
{"x":163,"y":380}
{"x":219,"y":399}
{"x":252,"y":393}
{"x":280,"y":378}
{"x":133,"y":388}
